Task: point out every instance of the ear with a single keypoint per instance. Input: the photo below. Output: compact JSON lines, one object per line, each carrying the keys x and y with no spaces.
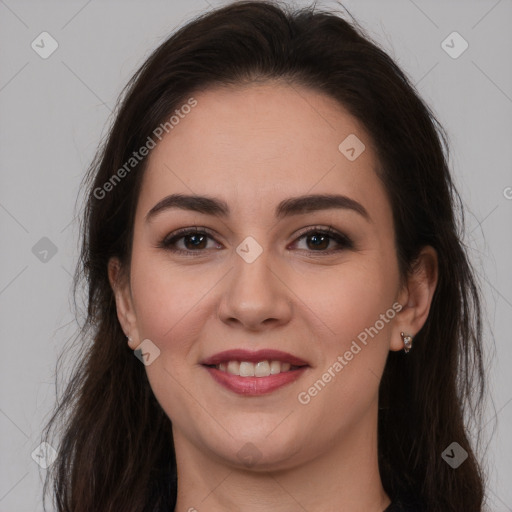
{"x":416,"y":297}
{"x":125,"y":312}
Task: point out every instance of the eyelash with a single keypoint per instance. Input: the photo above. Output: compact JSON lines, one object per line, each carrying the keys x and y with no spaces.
{"x":169,"y":241}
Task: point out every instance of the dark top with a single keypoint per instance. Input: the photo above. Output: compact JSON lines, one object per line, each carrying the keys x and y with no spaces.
{"x":405,"y":503}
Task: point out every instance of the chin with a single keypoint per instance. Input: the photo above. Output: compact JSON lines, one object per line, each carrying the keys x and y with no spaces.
{"x":260,"y":452}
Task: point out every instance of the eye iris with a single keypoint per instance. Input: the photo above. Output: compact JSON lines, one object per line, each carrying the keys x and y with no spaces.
{"x":316,"y":237}
{"x":195,"y":236}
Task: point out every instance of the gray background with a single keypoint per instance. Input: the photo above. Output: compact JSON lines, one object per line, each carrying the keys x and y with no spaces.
{"x":54,"y":112}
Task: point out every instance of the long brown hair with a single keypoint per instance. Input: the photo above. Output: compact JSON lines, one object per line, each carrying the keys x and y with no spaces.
{"x":116,"y":451}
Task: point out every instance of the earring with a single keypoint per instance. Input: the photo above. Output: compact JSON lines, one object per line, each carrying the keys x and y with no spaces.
{"x":407,"y":339}
{"x":128,"y":338}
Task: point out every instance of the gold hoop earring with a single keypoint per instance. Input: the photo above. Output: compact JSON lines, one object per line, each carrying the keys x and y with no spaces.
{"x":407,"y":339}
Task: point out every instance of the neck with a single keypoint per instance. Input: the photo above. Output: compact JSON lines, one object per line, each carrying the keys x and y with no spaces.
{"x":344,"y":477}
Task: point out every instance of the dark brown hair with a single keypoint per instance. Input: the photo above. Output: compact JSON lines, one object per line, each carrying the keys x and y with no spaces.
{"x":116,"y":452}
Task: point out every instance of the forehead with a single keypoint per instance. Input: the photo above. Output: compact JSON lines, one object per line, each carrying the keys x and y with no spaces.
{"x":265,"y":140}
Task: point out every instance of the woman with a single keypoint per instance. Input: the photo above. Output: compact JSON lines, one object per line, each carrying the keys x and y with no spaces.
{"x":270,"y":229}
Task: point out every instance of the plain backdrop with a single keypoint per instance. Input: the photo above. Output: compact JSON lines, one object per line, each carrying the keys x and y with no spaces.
{"x":55,"y":110}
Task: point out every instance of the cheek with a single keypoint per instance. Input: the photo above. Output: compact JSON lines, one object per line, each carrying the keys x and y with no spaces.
{"x":170,"y":313}
{"x":165,"y":300}
{"x":355,"y":352}
{"x":349,"y":300}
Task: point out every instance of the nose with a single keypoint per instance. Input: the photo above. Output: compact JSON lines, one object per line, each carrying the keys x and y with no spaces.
{"x":255,"y":295}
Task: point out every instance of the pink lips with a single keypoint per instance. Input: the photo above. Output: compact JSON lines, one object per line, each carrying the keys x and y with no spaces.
{"x":253,"y":386}
{"x":253,"y":357}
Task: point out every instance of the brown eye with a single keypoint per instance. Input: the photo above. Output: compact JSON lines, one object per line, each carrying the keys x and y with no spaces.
{"x":321,"y":240}
{"x":197,"y":241}
{"x":194,"y":240}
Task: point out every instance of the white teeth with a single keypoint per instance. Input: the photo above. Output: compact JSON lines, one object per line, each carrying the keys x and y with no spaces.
{"x":262,"y":369}
{"x":234,"y":367}
{"x":275,"y":367}
{"x":248,"y":369}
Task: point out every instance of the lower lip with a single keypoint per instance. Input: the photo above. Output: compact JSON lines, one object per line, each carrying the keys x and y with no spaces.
{"x":253,"y":386}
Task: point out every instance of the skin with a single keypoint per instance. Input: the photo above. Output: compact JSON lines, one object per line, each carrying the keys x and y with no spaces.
{"x":254,"y":146}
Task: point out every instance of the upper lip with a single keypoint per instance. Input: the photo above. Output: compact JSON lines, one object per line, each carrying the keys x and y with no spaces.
{"x":254,"y":357}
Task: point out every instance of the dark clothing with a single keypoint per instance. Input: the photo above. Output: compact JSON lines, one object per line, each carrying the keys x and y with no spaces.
{"x":405,"y":503}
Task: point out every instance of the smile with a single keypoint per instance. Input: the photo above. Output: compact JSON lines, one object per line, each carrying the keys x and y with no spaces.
{"x":253,"y":373}
{"x":259,"y":369}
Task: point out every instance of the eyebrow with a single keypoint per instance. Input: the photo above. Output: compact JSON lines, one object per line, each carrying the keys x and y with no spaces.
{"x":286,"y":208}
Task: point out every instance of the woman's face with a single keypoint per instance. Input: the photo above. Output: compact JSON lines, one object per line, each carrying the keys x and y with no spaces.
{"x":257,"y":281}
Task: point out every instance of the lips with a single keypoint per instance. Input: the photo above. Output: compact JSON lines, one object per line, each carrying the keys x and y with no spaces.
{"x":253,"y":357}
{"x":254,"y":372}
